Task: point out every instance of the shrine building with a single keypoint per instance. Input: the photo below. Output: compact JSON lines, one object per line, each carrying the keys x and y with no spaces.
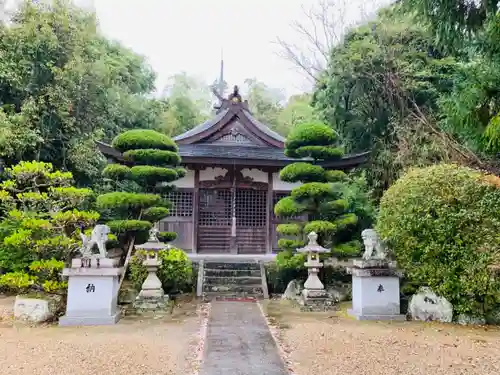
{"x":224,"y":204}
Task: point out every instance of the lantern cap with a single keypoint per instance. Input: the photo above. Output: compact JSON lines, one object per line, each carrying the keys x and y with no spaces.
{"x":313,"y":246}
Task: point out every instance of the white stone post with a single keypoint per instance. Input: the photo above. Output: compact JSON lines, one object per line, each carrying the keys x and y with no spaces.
{"x":375,"y":283}
{"x":93,"y":283}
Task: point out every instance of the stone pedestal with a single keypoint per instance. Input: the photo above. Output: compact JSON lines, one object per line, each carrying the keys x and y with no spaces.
{"x":316,"y":300}
{"x":92,"y":292}
{"x":375,"y":290}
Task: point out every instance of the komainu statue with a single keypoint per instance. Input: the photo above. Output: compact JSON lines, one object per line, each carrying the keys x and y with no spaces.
{"x":374,"y":247}
{"x":98,"y":237}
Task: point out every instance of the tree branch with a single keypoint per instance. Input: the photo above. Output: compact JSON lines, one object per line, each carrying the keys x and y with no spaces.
{"x":323,"y":27}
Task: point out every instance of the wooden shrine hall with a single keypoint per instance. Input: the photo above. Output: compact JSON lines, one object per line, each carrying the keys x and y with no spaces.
{"x":224,"y":204}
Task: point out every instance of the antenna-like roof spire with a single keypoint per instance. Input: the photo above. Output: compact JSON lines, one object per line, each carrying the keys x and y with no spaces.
{"x":221,"y":77}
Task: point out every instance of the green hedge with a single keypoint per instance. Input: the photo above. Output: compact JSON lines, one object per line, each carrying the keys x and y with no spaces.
{"x":443,"y":223}
{"x":150,"y":176}
{"x":287,"y":207}
{"x":313,"y":190}
{"x":336,"y":176}
{"x":310,"y":134}
{"x":116,"y":172}
{"x":123,"y":226}
{"x":321,"y":227}
{"x":143,"y":139}
{"x":152,"y":157}
{"x":175,"y":272}
{"x":181,"y":172}
{"x":289,"y":229}
{"x":290,"y":244}
{"x":335,"y":207}
{"x":302,"y":172}
{"x":317,"y":152}
{"x":155,"y":214}
{"x":167,"y":236}
{"x":123,"y":200}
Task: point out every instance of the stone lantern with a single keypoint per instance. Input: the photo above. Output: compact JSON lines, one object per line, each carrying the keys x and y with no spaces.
{"x":314,"y":295}
{"x":152,"y":296}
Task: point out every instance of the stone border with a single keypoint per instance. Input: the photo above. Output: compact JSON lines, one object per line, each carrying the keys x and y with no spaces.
{"x":283,"y":350}
{"x":198,"y":349}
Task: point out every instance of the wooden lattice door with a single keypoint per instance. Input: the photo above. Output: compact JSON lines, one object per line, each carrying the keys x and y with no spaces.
{"x":214,"y":220}
{"x":251,"y":221}
{"x":180,"y":218}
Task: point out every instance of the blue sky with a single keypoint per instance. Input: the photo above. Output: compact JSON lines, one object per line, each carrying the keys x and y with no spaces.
{"x":187,"y":35}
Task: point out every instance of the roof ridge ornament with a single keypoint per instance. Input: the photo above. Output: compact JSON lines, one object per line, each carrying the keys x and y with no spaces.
{"x":235,"y":96}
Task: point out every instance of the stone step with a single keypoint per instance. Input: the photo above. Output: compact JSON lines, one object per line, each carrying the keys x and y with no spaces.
{"x":232,"y":288}
{"x":232,"y":280}
{"x":236,"y":280}
{"x":228,"y":296}
{"x":127,"y":293}
{"x":232,"y":266}
{"x":209,"y":272}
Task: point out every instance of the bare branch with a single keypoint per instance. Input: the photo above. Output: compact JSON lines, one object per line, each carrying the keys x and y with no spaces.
{"x":321,"y":29}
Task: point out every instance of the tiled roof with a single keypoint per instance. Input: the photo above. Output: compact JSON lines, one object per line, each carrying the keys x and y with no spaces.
{"x":263,"y":128}
{"x":211,"y":151}
{"x":236,"y":110}
{"x":232,"y":152}
{"x":202,"y":127}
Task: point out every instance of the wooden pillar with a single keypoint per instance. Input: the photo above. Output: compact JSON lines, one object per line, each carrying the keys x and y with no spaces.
{"x":196,"y":204}
{"x":234,"y":241}
{"x":269,"y":213}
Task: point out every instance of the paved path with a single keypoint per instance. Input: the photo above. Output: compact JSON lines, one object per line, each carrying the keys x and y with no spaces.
{"x":239,"y":342}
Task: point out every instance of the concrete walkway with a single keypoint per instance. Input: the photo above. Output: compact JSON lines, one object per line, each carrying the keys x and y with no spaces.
{"x":239,"y":342}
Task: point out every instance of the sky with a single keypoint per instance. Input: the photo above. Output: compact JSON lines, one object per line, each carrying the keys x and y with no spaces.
{"x":188,"y":35}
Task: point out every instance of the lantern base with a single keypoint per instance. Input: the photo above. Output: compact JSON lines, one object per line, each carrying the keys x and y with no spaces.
{"x":151,"y":303}
{"x":316,"y":300}
{"x":313,"y":282}
{"x":152,"y":296}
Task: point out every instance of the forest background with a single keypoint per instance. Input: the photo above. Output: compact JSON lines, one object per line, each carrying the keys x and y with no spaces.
{"x":413,"y":86}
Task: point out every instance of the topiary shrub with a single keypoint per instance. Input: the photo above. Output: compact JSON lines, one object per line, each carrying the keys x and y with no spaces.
{"x":321,"y":197}
{"x":175,"y":272}
{"x":167,"y":236}
{"x":154,"y":164}
{"x":443,"y":223}
{"x":143,"y":139}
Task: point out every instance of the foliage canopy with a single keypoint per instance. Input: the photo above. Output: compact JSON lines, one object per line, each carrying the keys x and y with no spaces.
{"x":443,"y":224}
{"x":63,"y":86}
{"x":321,"y":198}
{"x":131,"y":214}
{"x":41,"y":218}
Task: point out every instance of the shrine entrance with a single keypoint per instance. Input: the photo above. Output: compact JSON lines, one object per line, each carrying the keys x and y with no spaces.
{"x":232,"y":217}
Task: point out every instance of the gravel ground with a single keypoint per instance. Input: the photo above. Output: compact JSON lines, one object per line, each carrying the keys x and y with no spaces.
{"x":328,"y":344}
{"x":132,"y":347}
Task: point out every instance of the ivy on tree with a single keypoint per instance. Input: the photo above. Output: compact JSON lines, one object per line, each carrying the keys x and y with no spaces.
{"x":151,"y":160}
{"x":319,"y":197}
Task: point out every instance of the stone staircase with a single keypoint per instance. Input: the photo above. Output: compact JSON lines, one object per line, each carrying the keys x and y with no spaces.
{"x":232,"y":281}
